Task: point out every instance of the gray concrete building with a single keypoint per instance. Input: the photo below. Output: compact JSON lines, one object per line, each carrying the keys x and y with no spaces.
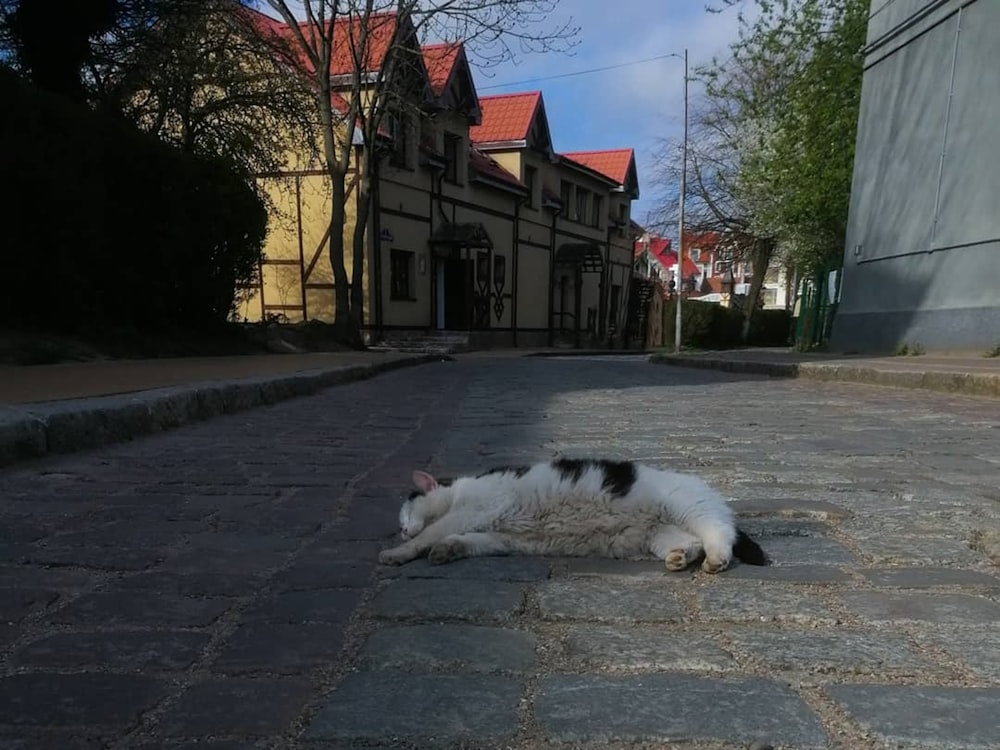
{"x":922,"y":256}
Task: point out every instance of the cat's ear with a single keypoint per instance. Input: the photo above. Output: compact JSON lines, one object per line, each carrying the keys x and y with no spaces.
{"x":424,"y":481}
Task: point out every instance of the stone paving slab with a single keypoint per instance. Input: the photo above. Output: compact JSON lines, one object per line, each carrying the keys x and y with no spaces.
{"x":457,"y":647}
{"x":940,"y":717}
{"x":280,"y":648}
{"x":234,"y":706}
{"x":144,"y":608}
{"x":381,"y":705}
{"x":66,"y":700}
{"x":322,"y":605}
{"x":976,"y":650}
{"x":937,"y":608}
{"x":608,"y":600}
{"x":747,"y":602}
{"x":477,"y":569}
{"x":586,"y":708}
{"x":448,"y":599}
{"x":806,"y":573}
{"x":128,"y":651}
{"x":648,"y":649}
{"x":805,"y":550}
{"x":589,"y":566}
{"x":831,"y":651}
{"x":922,"y":578}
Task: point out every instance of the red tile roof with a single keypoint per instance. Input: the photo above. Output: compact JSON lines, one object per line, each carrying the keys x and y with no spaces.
{"x":489,"y":167}
{"x":506,"y":117}
{"x":701,"y":240}
{"x":659,"y":248}
{"x":439,"y":59}
{"x":613,"y":163}
{"x":381,"y":31}
{"x":347,"y":34}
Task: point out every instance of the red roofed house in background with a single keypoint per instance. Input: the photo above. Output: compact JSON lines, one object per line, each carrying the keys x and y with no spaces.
{"x":705,"y":264}
{"x":479,"y":230}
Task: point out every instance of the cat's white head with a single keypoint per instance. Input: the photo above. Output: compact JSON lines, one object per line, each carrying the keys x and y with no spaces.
{"x":416,"y":512}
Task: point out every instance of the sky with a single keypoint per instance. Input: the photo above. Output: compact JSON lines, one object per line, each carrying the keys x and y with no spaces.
{"x":635,"y":106}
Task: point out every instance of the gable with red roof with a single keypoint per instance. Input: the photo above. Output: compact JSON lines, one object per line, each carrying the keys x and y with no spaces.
{"x":617,"y":164}
{"x":512,"y":121}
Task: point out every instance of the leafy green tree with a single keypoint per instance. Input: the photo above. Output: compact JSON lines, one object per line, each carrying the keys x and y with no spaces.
{"x":772,"y":137}
{"x":803,"y":64}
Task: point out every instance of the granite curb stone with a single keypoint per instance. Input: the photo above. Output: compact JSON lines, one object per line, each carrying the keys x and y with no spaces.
{"x":36,"y":430}
{"x":964,"y":383}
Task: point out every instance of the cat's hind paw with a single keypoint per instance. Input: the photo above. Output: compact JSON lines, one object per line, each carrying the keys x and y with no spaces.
{"x":677,"y":559}
{"x":713,"y":564}
{"x":446,"y":551}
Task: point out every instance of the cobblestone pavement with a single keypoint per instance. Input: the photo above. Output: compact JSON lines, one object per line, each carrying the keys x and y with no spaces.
{"x":216,"y":586}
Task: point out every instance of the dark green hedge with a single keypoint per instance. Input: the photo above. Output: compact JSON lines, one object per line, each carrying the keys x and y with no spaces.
{"x":104,"y":225}
{"x":705,"y":325}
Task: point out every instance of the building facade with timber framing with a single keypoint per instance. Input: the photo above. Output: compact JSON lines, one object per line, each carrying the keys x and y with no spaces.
{"x":477,"y":225}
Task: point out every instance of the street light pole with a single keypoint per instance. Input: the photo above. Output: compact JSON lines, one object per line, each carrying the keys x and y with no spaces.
{"x":680,"y":220}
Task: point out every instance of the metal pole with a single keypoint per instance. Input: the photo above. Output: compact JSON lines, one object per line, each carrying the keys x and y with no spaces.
{"x":680,"y":221}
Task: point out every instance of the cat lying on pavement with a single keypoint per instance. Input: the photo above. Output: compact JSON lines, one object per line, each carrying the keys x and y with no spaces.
{"x":575,"y":508}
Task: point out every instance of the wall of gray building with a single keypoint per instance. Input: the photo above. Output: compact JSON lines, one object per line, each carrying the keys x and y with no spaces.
{"x":922,"y":256}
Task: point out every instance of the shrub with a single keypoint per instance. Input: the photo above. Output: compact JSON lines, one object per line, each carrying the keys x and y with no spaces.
{"x":770,"y":328}
{"x":706,"y":325}
{"x":104,"y":225}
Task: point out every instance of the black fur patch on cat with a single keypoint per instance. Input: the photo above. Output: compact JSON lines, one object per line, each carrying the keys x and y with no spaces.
{"x":444,"y":482}
{"x":517,"y":471}
{"x":747,"y":550}
{"x":571,"y":469}
{"x":619,"y":476}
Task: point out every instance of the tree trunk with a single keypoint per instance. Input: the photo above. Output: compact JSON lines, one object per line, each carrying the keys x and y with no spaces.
{"x":338,"y":189}
{"x":341,"y":286}
{"x":360,"y":230}
{"x":760,"y":258}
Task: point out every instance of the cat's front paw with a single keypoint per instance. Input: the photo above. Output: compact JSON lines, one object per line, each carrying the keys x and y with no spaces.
{"x":446,"y":551}
{"x":714,"y":564}
{"x":677,"y":559}
{"x":392,"y":557}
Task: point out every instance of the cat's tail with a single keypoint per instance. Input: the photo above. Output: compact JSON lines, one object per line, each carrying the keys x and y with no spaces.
{"x":746,"y":550}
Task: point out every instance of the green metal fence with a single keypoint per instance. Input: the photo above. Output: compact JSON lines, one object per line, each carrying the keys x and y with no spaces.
{"x":816,"y":305}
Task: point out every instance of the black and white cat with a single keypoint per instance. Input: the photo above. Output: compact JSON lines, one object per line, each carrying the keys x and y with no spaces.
{"x":572,"y":507}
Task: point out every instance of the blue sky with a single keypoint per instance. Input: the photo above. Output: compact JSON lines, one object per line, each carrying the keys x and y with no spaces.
{"x":632,"y":106}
